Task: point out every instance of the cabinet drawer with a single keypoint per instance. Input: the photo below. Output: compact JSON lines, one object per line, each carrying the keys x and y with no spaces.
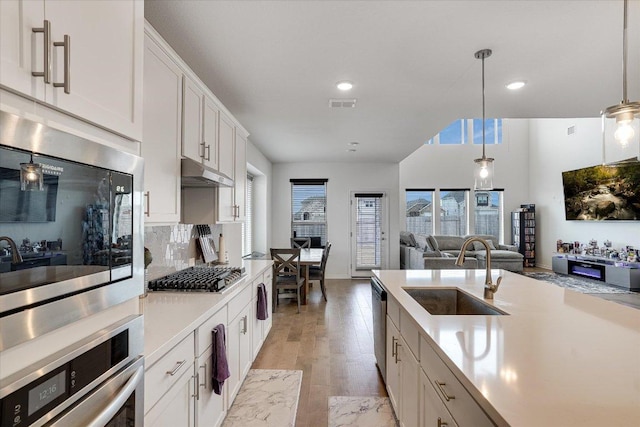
{"x":159,"y":378}
{"x":409,"y":331}
{"x":236,"y":305}
{"x":464,"y":409}
{"x":204,"y":338}
{"x":393,"y":310}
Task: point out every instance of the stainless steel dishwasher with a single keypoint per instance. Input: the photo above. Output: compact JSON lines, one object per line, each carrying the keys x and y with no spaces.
{"x":379,"y":311}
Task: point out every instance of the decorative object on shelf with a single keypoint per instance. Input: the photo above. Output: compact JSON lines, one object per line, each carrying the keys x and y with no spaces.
{"x":620,"y":122}
{"x":484,"y":165}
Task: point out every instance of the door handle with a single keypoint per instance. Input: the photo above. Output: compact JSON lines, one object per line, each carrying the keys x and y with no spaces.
{"x":148,"y":196}
{"x":46,"y":30}
{"x":66,"y":82}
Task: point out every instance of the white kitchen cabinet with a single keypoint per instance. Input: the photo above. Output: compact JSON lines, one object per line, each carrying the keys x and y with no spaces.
{"x":210,"y":133}
{"x":192,"y":116}
{"x":239,"y":348}
{"x":226,"y":132}
{"x":433,"y":413}
{"x":176,"y":407}
{"x":460,"y":404}
{"x":261,"y":328}
{"x":211,"y":408}
{"x":231,"y":200}
{"x":393,"y":368}
{"x":95,"y":54}
{"x":162,"y":133}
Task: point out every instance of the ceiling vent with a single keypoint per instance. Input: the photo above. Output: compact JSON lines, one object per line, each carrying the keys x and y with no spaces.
{"x":342,"y":103}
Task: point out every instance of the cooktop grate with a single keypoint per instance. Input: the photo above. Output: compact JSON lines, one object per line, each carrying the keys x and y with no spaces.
{"x":199,"y":278}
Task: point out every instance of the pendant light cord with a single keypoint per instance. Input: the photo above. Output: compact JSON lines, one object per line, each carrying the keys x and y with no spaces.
{"x":625,"y":100}
{"x":483,"y":155}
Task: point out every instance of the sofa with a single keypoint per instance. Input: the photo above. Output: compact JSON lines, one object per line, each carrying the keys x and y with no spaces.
{"x":435,"y":252}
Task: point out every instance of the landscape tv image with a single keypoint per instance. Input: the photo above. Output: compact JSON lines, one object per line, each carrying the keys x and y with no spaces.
{"x":608,"y":192}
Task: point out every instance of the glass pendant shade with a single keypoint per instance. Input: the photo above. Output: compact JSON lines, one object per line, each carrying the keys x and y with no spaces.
{"x":31,"y":178}
{"x":620,"y":123}
{"x":483,"y":174}
{"x":621,"y":134}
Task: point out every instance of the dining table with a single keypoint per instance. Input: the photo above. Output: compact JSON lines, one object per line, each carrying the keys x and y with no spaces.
{"x":309,"y":257}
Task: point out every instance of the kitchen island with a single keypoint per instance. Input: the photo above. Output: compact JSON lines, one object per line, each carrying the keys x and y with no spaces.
{"x":558,"y":358}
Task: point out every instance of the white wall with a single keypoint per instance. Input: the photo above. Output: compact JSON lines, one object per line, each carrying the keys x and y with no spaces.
{"x":262,"y":170}
{"x":343,"y":178}
{"x":552,"y":151}
{"x":451,"y":166}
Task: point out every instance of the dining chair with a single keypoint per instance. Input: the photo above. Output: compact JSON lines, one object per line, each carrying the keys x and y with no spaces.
{"x":286,"y":273}
{"x":301,"y":242}
{"x":317,"y":273}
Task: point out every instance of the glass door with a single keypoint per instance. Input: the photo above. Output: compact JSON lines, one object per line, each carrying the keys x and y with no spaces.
{"x":369,"y":245}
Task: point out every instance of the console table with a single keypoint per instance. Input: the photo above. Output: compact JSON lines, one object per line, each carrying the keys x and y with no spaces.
{"x":613,"y":272}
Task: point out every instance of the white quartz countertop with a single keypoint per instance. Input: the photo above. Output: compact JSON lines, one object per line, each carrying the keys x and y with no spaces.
{"x":170,"y":316}
{"x":560,"y":358}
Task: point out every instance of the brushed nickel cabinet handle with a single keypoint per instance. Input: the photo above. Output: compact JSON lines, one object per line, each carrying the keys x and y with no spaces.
{"x":393,"y":346}
{"x":148,"y":196}
{"x":46,"y":30}
{"x":66,"y":83}
{"x":196,"y":386}
{"x":177,"y":368}
{"x":442,"y":423}
{"x":208,"y":147}
{"x":440,"y":385}
{"x":203,"y":144}
{"x":397,"y":352}
{"x":204,"y":384}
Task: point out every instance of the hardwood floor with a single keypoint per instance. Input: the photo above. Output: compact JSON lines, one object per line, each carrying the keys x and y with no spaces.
{"x":332,"y":343}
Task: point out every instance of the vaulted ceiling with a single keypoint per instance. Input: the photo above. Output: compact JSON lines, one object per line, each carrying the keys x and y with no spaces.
{"x":274,"y":64}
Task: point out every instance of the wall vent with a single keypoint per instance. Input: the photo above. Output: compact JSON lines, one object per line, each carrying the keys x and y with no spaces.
{"x":571,"y":130}
{"x":342,"y":103}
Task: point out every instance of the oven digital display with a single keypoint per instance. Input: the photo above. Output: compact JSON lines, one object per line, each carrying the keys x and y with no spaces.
{"x":46,"y":392}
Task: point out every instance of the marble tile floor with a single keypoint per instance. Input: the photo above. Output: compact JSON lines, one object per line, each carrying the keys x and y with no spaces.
{"x":354,"y":411}
{"x":267,"y":398}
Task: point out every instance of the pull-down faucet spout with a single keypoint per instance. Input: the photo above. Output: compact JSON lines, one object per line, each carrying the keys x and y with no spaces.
{"x":489,"y":287}
{"x":16,"y":258}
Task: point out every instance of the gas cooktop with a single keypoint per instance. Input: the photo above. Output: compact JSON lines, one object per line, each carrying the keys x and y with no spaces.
{"x":199,"y":278}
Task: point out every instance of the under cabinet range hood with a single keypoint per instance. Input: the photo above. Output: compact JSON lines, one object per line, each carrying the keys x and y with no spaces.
{"x":195,"y":174}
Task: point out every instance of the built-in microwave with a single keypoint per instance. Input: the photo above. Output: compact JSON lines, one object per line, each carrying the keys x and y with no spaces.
{"x":70,"y":228}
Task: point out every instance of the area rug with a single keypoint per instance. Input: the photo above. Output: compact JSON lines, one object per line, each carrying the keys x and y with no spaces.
{"x":361,"y":412}
{"x":585,"y":286}
{"x":267,"y":398}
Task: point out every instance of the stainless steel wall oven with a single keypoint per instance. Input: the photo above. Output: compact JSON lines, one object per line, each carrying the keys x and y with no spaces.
{"x":71,"y":239}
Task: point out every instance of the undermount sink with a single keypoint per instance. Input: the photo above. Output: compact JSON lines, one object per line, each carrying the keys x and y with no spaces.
{"x":451,"y":301}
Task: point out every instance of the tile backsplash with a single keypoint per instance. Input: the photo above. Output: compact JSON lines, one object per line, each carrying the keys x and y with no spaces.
{"x":173,"y":247}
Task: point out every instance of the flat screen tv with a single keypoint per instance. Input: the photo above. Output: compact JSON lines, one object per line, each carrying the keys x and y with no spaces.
{"x":607,"y":192}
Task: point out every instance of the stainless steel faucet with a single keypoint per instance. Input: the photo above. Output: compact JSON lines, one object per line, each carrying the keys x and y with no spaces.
{"x":489,"y":287}
{"x":16,"y":258}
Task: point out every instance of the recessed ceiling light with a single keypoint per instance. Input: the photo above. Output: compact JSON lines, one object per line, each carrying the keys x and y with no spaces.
{"x":344,"y":85}
{"x":516,"y":85}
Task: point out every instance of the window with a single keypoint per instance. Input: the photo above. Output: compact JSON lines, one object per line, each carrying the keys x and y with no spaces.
{"x":488,"y":212}
{"x":308,"y":210}
{"x":247,"y":225}
{"x":492,"y":131}
{"x":459,"y":132}
{"x":453,"y":212}
{"x":455,"y":133}
{"x":419,"y":210}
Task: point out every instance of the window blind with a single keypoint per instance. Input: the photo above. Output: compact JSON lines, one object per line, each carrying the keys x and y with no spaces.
{"x":308,"y":210}
{"x":247,"y":225}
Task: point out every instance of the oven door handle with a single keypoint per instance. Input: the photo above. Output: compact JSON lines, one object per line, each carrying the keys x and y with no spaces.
{"x":110,"y":411}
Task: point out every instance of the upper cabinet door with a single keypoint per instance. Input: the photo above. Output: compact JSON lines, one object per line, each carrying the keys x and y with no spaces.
{"x":21,"y":49}
{"x":95,"y":53}
{"x":240,"y":176}
{"x":192,"y":96}
{"x":225,"y":146}
{"x":210,"y":133}
{"x":162,"y":131}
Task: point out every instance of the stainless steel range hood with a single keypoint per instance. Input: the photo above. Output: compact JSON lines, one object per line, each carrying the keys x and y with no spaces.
{"x":195,"y":174}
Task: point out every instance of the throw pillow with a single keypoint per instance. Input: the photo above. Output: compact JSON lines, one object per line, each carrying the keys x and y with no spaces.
{"x":477,"y":246}
{"x":433,"y":242}
{"x":407,"y":239}
{"x":421,"y":242}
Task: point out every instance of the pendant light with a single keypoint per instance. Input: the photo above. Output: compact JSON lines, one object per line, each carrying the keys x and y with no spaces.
{"x":31,"y":177}
{"x":621,"y":125}
{"x":483,"y":173}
